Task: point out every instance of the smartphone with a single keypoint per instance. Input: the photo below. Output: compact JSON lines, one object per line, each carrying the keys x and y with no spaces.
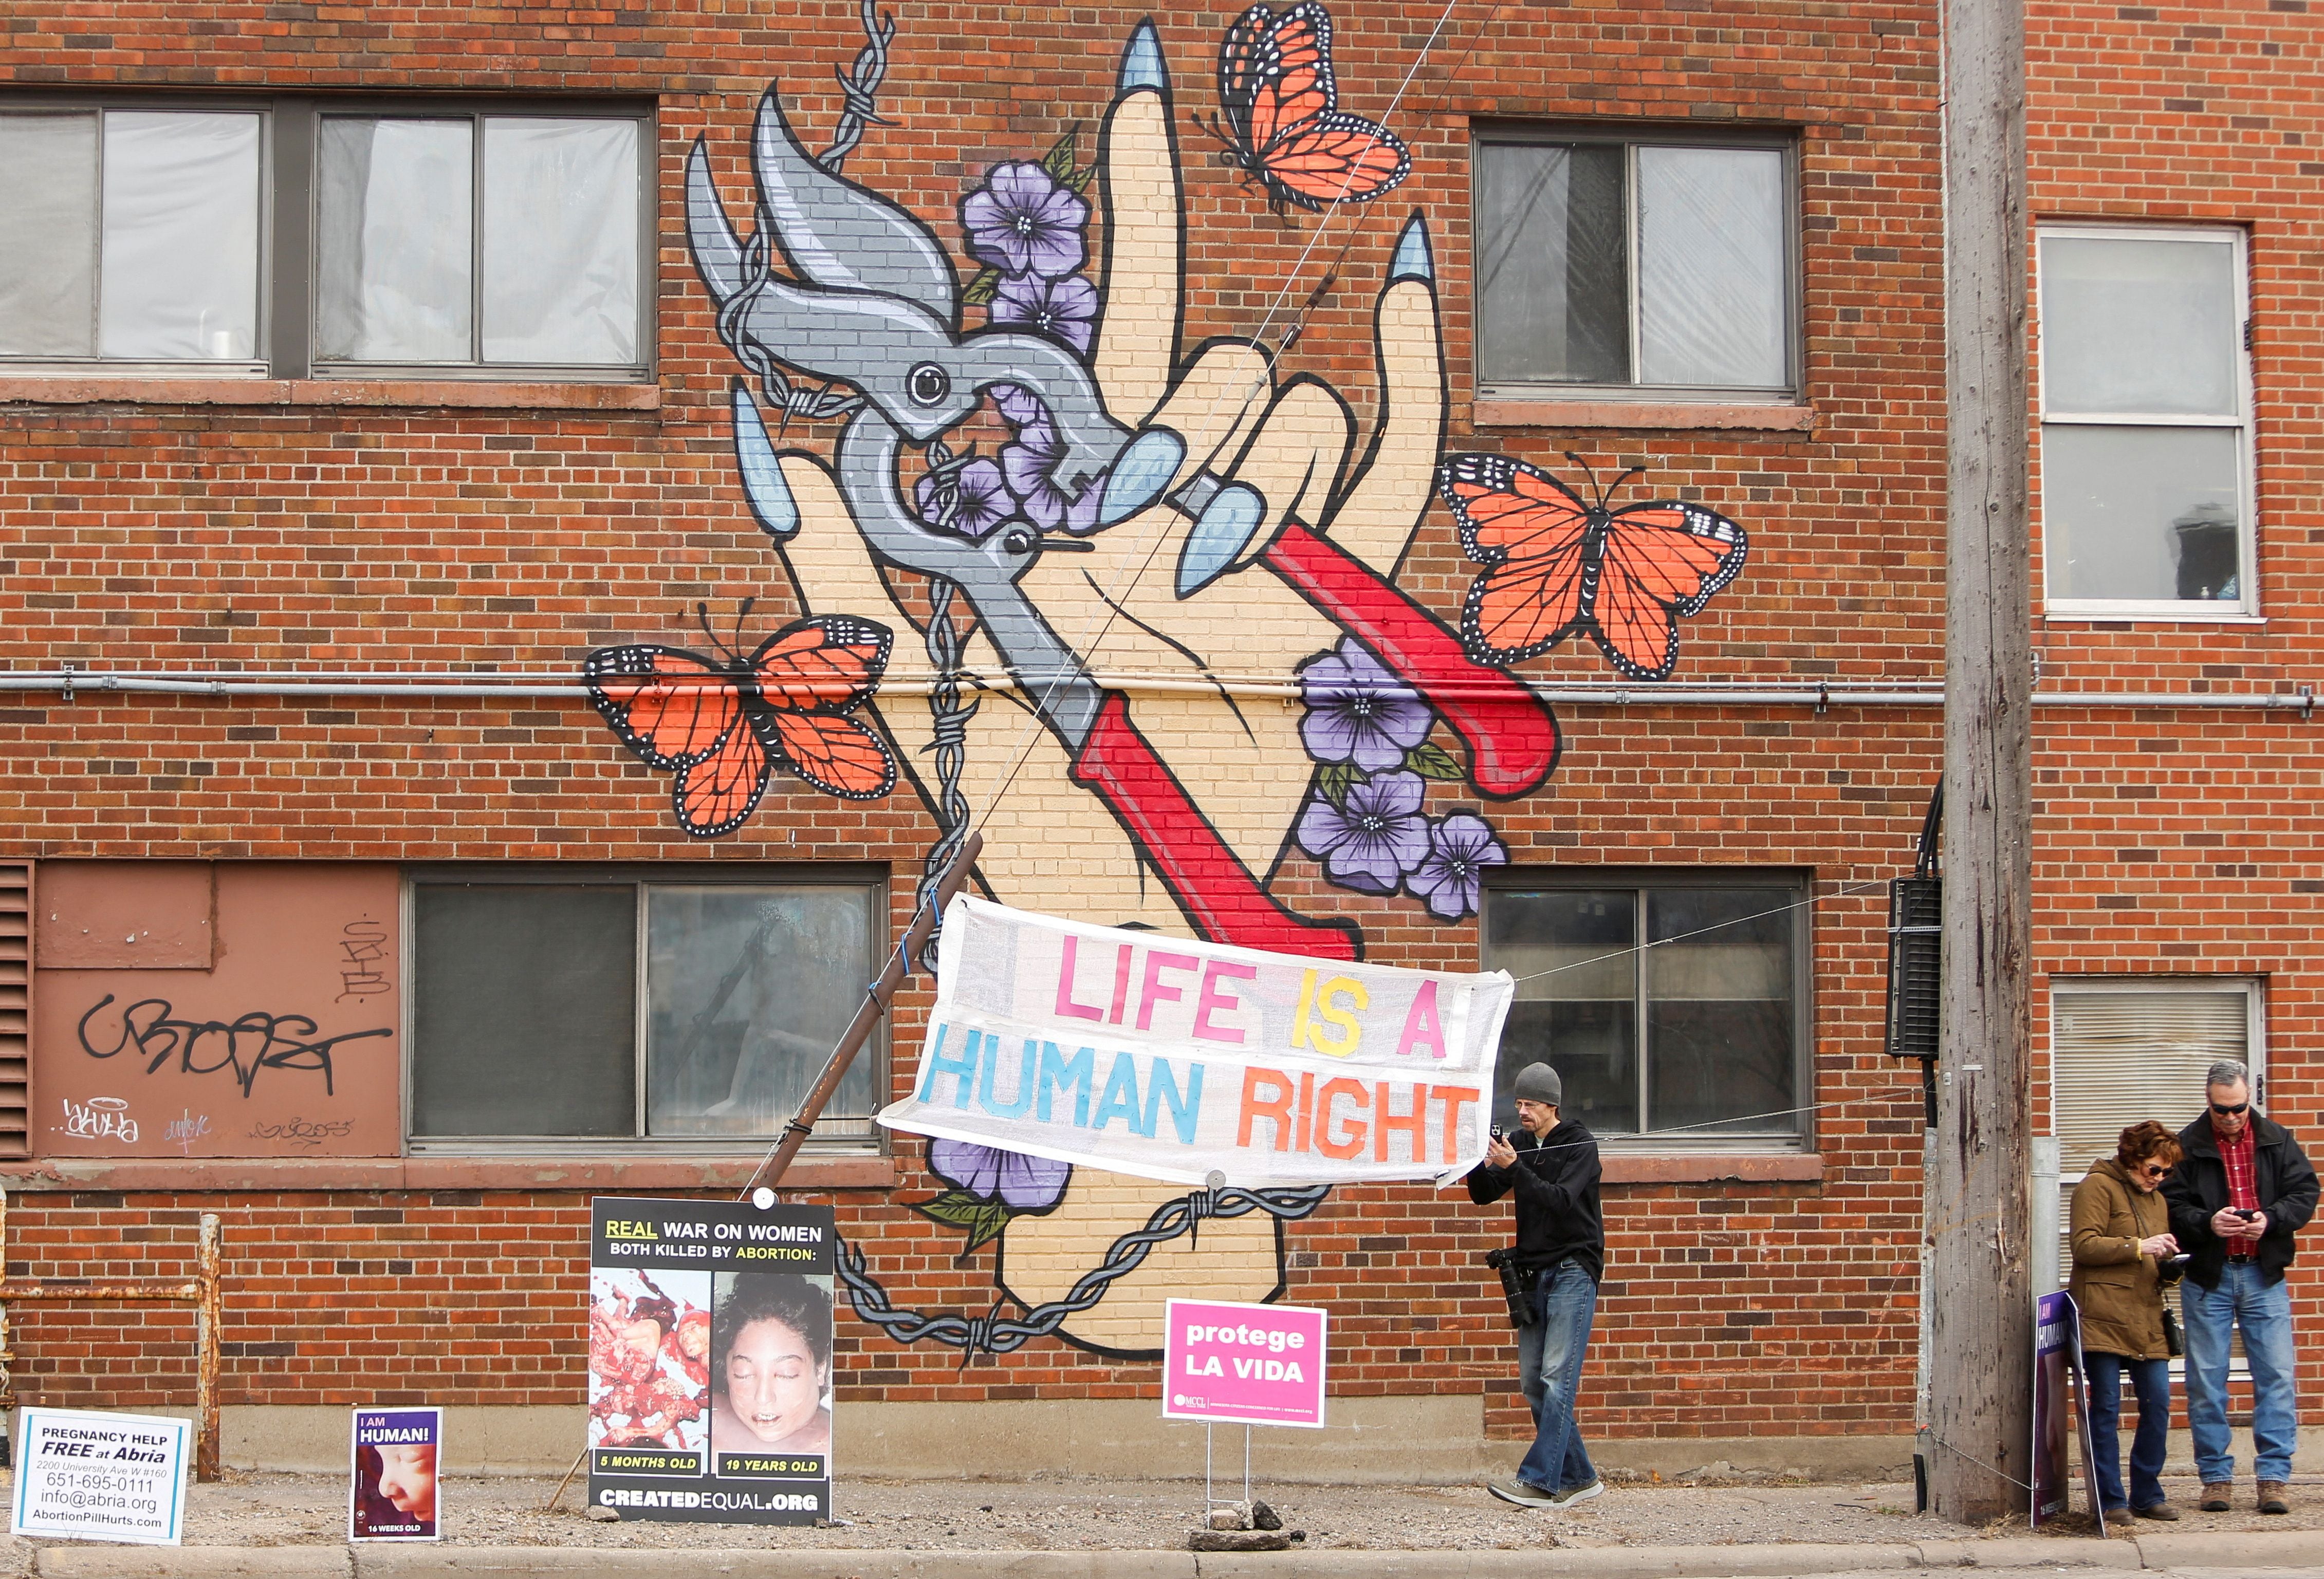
{"x":2182,"y":1259}
{"x":2246,"y":1213}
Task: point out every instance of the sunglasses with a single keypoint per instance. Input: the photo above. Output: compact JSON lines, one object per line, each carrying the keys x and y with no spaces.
{"x":2153,"y":1169}
{"x":2228,"y":1110}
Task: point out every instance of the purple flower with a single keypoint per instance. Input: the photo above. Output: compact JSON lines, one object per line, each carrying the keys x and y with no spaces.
{"x":1375,"y":838}
{"x":1453,"y":875}
{"x":1021,"y":222}
{"x":1027,"y":465}
{"x":1020,"y":407}
{"x":1066,"y":308}
{"x":983,"y":499}
{"x":1357,"y":711}
{"x":1025,"y":1184}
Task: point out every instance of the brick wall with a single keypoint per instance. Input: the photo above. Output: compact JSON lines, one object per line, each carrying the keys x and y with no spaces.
{"x":373,"y":524}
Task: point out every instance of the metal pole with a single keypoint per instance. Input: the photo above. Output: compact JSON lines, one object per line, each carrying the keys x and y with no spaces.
{"x":875,"y":1008}
{"x":208,"y":1314}
{"x":1978,"y":1290}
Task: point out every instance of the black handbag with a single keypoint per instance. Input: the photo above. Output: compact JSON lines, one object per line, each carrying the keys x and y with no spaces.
{"x":2172,"y":1338}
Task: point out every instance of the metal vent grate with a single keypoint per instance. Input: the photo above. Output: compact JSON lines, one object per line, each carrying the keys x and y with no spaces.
{"x":16,"y":1008}
{"x":1915,"y":963}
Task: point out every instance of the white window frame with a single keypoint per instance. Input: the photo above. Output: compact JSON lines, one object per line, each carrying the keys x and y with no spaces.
{"x":2245,"y":609}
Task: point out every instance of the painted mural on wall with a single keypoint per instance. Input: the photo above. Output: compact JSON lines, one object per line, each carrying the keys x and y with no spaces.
{"x":1175,"y":524}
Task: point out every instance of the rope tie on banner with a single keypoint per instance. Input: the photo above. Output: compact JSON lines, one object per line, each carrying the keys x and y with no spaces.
{"x":1113,"y":596}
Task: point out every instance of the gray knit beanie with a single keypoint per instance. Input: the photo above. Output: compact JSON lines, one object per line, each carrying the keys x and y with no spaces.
{"x":1537,"y":1082}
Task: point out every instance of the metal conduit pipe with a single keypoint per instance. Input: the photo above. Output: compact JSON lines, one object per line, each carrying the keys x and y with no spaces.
{"x":421,"y":684}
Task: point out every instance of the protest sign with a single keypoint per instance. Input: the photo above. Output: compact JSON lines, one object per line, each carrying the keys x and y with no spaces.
{"x":710,"y":1360}
{"x":101,"y":1476}
{"x":2052,"y":1315}
{"x":1248,"y":1365}
{"x":2057,"y":1364}
{"x":391,"y":1490}
{"x":1174,"y":1059}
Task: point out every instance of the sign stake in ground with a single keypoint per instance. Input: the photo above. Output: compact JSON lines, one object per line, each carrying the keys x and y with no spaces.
{"x":1981,"y":1330}
{"x":1242,"y":1364}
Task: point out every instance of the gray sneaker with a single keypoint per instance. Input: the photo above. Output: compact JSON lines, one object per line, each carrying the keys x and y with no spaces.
{"x":1524,"y":1494}
{"x":1572,"y":1494}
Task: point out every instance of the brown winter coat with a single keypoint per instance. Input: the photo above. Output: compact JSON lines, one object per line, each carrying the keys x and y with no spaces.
{"x":2115,"y":1288}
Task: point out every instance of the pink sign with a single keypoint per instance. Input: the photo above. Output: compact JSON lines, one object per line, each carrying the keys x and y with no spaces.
{"x":1252,"y":1364}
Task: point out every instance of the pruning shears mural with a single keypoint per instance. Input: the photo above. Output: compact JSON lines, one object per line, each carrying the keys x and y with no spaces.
{"x":1176,"y":526}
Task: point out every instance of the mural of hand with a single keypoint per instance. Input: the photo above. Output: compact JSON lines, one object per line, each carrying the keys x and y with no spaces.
{"x":1144,"y":790}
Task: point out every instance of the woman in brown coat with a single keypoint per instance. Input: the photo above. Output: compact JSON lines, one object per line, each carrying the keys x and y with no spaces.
{"x":2122,"y":1235}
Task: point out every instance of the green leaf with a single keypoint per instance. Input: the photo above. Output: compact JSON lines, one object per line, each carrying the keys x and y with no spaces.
{"x":980,"y":1219}
{"x":982,"y":289}
{"x":1335,"y":779}
{"x":1059,"y":161}
{"x":1433,"y":761}
{"x":1078,"y":182}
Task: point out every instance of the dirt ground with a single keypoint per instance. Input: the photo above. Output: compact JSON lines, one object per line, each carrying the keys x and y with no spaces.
{"x":1062,"y":1513}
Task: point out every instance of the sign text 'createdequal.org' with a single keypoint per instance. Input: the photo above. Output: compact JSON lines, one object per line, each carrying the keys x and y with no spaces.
{"x":1172,"y":1060}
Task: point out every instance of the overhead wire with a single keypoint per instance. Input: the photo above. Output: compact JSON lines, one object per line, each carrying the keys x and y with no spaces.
{"x":1098,"y":627}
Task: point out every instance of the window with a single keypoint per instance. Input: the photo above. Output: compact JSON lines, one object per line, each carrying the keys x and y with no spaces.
{"x":2146,"y":434}
{"x":481,"y":239}
{"x":2125,"y":1050}
{"x":1661,"y":265}
{"x":1672,"y":1007}
{"x":293,"y":236}
{"x":610,"y":1007}
{"x":131,"y":235}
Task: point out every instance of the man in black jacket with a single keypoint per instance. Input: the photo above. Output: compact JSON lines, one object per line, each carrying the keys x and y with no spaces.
{"x":2242,"y":1190}
{"x":1561,"y":1250}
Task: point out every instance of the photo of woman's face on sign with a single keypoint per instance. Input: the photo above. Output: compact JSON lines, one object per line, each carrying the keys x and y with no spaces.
{"x":770,"y":1365}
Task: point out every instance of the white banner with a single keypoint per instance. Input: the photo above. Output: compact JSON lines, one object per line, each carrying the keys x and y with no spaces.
{"x":1168,"y":1059}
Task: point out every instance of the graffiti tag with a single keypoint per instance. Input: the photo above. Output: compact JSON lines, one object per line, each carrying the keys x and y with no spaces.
{"x":254,"y":1041}
{"x":100,"y":1118}
{"x":365,"y":944}
{"x":302,"y":1132}
{"x":187,"y":1128}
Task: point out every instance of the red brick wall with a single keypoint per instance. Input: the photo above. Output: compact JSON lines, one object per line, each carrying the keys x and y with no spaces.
{"x":148,"y":531}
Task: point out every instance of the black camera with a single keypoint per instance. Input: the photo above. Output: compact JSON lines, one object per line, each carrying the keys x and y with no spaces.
{"x":1514,"y":1284}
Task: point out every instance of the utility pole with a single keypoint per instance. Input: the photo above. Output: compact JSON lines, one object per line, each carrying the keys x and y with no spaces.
{"x":1981,"y":1331}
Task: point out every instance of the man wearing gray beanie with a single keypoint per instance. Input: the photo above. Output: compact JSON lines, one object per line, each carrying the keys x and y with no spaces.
{"x":1559,"y":1257}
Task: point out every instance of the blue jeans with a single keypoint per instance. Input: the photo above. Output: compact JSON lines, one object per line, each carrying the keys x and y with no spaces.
{"x":2264,"y":1311}
{"x":1549,"y":1366}
{"x":2150,"y":1380}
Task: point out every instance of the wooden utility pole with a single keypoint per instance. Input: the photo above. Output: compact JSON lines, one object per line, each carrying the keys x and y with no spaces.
{"x":1981,"y":1334}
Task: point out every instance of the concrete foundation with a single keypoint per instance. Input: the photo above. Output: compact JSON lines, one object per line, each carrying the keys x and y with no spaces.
{"x":1382,"y":1441}
{"x":1409,"y":1441}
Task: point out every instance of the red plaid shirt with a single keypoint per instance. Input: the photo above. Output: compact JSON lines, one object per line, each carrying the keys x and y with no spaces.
{"x":2243,"y":1188}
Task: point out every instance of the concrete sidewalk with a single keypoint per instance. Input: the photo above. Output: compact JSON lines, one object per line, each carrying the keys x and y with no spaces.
{"x":2287,"y":1552}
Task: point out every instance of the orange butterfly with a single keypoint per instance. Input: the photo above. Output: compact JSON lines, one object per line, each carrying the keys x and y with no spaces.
{"x":722,"y":726}
{"x":1556,"y":565}
{"x":1282,"y":121}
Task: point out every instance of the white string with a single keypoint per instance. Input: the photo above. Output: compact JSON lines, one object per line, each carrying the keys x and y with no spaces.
{"x":1125,"y":581}
{"x":1843,"y":891}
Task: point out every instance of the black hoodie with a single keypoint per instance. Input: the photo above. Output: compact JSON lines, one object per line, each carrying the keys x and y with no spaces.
{"x":1556,"y":1181}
